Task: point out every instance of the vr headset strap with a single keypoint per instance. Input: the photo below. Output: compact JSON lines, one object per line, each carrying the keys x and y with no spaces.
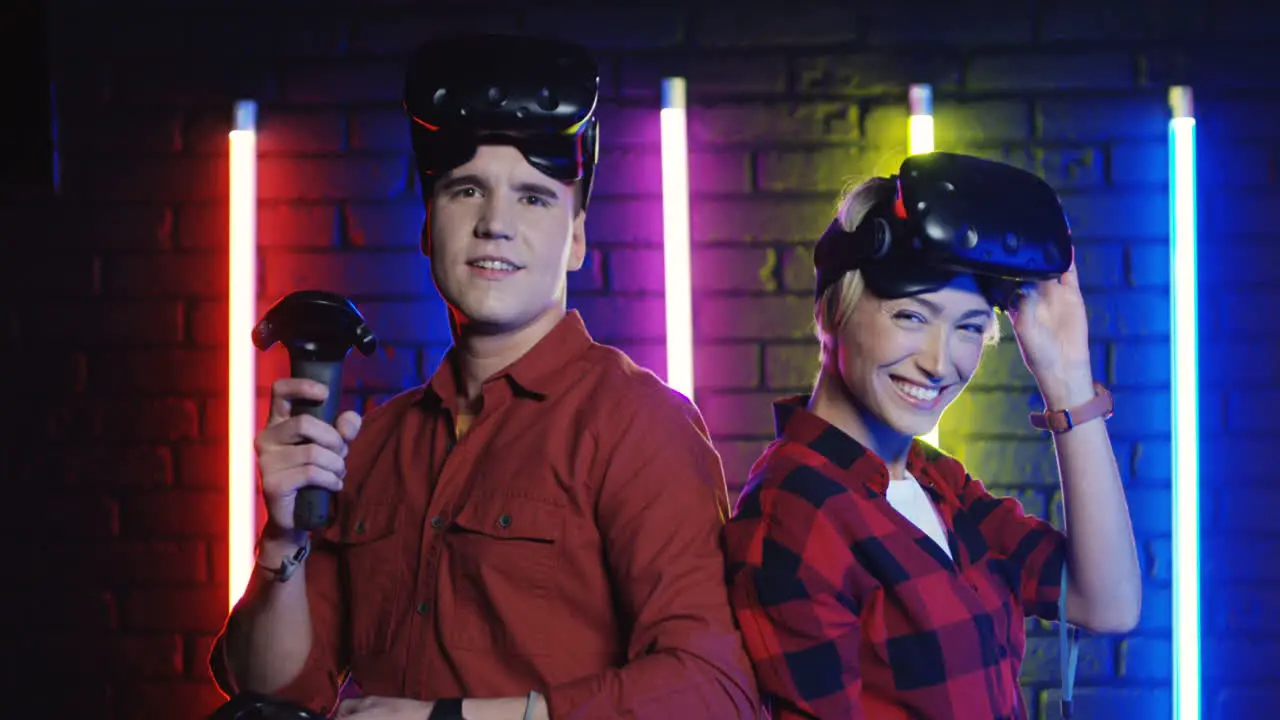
{"x":1068,"y":647}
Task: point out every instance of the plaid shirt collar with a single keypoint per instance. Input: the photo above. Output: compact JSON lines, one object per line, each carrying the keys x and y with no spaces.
{"x":793,"y":422}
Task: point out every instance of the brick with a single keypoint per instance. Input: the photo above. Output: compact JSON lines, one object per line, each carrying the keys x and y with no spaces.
{"x":1156,"y":559}
{"x":197,"y":651}
{"x":1245,"y":702}
{"x":1217,"y":67}
{"x":70,"y":275}
{"x":1117,"y":214}
{"x":347,"y":81}
{"x":776,"y":317}
{"x":64,"y":370}
{"x":1093,"y":21}
{"x":120,"y":130}
{"x":957,"y":125}
{"x":174,"y":514}
{"x":1229,"y":165}
{"x":1108,"y":702}
{"x":1050,"y":71}
{"x":1147,"y":265}
{"x":63,"y":610}
{"x":1150,"y":510}
{"x":611,"y":220}
{"x":200,"y":608}
{"x":589,"y":277}
{"x":398,"y":32}
{"x":1152,"y":460}
{"x":126,"y":465}
{"x":790,"y":366}
{"x":159,"y":372}
{"x":102,"y":323}
{"x":147,"y":419}
{"x":1002,"y":463}
{"x":380,"y":130}
{"x":380,"y":274}
{"x":710,"y":76}
{"x":1002,"y":368}
{"x":1248,"y":609}
{"x":166,"y":274}
{"x":76,"y":697}
{"x":612,"y":28}
{"x":755,"y":219}
{"x":280,"y":130}
{"x":995,"y":412}
{"x":178,"y":84}
{"x":616,"y":319}
{"x":639,"y":172}
{"x":90,"y":564}
{"x":1142,"y":362}
{"x":311,"y":225}
{"x":199,"y":698}
{"x":383,"y":224}
{"x":876,"y":73}
{"x":828,"y":170}
{"x":993,"y":22}
{"x":1233,"y":117}
{"x":1064,"y":167}
{"x":1223,"y":659}
{"x":738,"y":456}
{"x":68,"y":516}
{"x":726,"y":366}
{"x":1093,"y":119}
{"x":99,"y":226}
{"x":797,"y":266}
{"x":148,"y":178}
{"x":738,"y":415}
{"x":138,"y":657}
{"x":332,"y":178}
{"x":1157,"y":609}
{"x":1095,"y":662}
{"x":714,"y":269}
{"x":768,"y":122}
{"x":762,"y":26}
{"x":201,"y":465}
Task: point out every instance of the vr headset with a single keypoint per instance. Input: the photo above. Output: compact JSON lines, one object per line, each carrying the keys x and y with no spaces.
{"x":536,"y":94}
{"x":952,"y":214}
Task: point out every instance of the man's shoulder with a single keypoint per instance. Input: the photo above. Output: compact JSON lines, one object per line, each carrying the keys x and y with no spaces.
{"x":625,"y":387}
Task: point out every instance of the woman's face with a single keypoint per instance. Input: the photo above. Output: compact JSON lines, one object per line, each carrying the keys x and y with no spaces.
{"x":906,"y":360}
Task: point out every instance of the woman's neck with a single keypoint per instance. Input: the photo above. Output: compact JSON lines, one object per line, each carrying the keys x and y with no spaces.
{"x":832,"y":401}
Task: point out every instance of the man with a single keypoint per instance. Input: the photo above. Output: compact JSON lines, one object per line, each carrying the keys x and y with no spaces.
{"x":534,"y":533}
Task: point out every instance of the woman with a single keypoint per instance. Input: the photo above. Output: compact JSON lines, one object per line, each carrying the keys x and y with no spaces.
{"x":871,"y":575}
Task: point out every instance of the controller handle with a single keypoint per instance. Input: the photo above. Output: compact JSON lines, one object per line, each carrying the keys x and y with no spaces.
{"x":317,"y":329}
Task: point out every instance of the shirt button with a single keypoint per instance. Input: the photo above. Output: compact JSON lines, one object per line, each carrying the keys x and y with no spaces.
{"x":359,"y":527}
{"x":504,"y":521}
{"x":437,"y":521}
{"x":424,"y":608}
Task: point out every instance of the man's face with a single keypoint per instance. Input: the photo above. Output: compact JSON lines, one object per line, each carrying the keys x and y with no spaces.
{"x":503,"y":236}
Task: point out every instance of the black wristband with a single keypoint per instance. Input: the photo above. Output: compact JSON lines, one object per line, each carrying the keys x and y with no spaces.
{"x":447,"y":709}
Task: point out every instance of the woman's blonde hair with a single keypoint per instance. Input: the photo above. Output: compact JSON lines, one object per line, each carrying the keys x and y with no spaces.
{"x":835,"y":306}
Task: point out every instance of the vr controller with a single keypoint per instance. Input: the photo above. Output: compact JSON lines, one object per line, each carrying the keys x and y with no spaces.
{"x":536,"y":94}
{"x":255,"y":706}
{"x":953,"y":214}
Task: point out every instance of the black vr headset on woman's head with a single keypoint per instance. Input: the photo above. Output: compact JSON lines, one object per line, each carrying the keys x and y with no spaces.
{"x":952,"y":214}
{"x":536,"y":94}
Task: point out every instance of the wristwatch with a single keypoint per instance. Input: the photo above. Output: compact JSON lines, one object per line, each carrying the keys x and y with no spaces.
{"x":1059,"y":421}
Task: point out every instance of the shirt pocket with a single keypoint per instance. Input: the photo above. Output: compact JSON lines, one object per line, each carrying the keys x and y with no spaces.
{"x":373,"y":575}
{"x":502,"y":561}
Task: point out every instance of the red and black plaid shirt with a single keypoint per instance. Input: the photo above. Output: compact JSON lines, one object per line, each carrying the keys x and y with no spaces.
{"x":850,"y":611}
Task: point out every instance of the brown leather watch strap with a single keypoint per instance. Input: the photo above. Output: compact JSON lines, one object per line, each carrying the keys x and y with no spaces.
{"x":1059,"y":421}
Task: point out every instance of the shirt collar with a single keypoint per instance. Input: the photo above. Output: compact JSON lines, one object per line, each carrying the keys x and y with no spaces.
{"x":534,"y":373}
{"x":793,"y":422}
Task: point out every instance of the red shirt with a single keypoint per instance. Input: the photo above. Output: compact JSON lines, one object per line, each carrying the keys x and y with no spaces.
{"x":568,"y":542}
{"x":850,"y":611}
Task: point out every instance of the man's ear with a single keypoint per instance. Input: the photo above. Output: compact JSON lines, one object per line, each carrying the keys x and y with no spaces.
{"x":578,"y":249}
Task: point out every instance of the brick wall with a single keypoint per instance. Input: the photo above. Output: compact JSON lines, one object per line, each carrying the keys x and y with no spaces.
{"x":114,"y":330}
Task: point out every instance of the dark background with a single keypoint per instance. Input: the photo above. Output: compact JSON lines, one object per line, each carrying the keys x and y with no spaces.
{"x":112,"y":327}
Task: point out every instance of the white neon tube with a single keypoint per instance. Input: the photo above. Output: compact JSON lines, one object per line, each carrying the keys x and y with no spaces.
{"x":241,"y":378}
{"x":675,"y":235}
{"x":1186,"y":392}
{"x":920,"y":140}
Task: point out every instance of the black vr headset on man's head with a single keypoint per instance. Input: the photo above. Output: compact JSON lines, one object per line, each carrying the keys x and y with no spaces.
{"x":952,"y":214}
{"x":536,"y":94}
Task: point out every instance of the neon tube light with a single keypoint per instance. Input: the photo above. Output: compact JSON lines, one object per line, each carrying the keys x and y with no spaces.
{"x":1186,"y":391}
{"x":242,"y":390}
{"x":675,"y":235}
{"x":920,"y":140}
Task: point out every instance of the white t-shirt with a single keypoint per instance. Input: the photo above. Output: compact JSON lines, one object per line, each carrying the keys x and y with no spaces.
{"x":908,"y":498}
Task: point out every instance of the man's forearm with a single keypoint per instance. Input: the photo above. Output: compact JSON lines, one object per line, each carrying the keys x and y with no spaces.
{"x":269,"y":638}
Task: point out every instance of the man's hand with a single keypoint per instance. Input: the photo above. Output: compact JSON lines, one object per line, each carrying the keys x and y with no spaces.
{"x":384,"y":708}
